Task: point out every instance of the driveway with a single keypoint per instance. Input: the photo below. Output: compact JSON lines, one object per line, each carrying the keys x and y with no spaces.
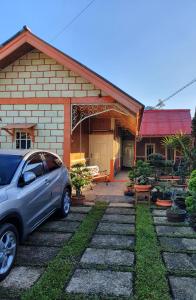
{"x":40,"y":248}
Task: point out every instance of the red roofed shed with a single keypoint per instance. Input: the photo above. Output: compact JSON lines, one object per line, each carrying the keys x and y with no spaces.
{"x":157,"y":124}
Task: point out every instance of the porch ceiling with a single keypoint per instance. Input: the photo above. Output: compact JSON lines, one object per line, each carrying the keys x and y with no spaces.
{"x":123,"y":117}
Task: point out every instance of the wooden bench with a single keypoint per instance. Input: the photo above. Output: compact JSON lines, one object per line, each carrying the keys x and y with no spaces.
{"x":97,"y":175}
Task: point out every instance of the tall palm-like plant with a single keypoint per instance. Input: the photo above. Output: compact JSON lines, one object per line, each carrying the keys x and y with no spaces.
{"x":184,"y":145}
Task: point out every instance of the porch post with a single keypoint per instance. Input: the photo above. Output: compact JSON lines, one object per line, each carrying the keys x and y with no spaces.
{"x":135,"y":151}
{"x":67,"y":133}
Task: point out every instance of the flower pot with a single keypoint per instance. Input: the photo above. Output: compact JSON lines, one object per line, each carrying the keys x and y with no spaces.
{"x":176,"y":216}
{"x":180,"y":202}
{"x":75,"y":200}
{"x":142,"y":188}
{"x":154,"y":196}
{"x":164,"y":203}
{"x":129,"y":193}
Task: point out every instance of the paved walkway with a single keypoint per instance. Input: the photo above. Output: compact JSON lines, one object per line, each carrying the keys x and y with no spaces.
{"x":178,"y":243}
{"x":41,"y":246}
{"x":106,"y":266}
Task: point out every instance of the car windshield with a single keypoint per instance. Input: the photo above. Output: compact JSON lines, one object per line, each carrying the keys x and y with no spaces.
{"x":8,"y":166}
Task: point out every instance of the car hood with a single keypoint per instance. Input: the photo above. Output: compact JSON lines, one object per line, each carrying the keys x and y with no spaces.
{"x":3,"y":192}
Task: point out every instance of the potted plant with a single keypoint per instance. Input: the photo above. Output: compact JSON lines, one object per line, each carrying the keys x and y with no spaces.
{"x":174,"y":213}
{"x":129,"y":189}
{"x":191,"y":200}
{"x":80,"y":177}
{"x":164,"y":194}
{"x":180,"y":199}
{"x":157,"y":162}
{"x":140,"y":175}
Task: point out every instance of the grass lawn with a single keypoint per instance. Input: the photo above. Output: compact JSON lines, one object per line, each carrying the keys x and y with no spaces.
{"x":151,"y":282}
{"x":59,"y":271}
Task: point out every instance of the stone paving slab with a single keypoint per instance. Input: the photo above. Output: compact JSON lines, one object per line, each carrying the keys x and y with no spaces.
{"x":178,"y":243}
{"x":60,"y":226}
{"x":21,"y":278}
{"x":119,"y":218}
{"x":80,"y":209}
{"x":183,"y":288}
{"x":114,"y":198}
{"x":35,"y":256}
{"x":107,"y":227}
{"x":75,"y":217}
{"x":116,"y":241}
{"x":121,"y":204}
{"x":180,"y":261}
{"x":159,"y":212}
{"x":120,"y":210}
{"x":48,"y":239}
{"x":163,"y":220}
{"x":108,"y":257}
{"x":175,"y":230}
{"x":101,"y":282}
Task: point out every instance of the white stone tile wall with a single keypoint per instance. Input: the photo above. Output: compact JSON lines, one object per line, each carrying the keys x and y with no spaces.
{"x":49,"y":131}
{"x":37,"y":75}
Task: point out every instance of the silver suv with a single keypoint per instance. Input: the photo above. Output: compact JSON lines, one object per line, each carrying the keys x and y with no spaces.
{"x":33,"y":185}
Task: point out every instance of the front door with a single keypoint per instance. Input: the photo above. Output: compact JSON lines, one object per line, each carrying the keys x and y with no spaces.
{"x":128,"y":153}
{"x":101,"y":146}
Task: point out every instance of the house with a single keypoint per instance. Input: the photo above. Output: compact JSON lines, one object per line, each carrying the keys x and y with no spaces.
{"x":50,"y":101}
{"x":157,"y":124}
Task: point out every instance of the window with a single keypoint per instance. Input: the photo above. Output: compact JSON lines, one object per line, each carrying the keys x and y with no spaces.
{"x":52,"y":162}
{"x":9,"y":164}
{"x":149,"y":149}
{"x":35,"y":165}
{"x":23,"y":140}
{"x":170,"y":153}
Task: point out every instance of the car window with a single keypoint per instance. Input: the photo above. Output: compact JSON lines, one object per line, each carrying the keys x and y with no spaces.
{"x":52,"y":162}
{"x":8,"y":166}
{"x":35,"y":165}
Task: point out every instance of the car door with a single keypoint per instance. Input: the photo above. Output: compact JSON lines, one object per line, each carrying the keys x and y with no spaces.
{"x":36,"y":195}
{"x":55,"y":170}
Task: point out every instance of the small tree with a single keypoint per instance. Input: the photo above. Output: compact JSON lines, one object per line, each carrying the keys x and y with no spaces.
{"x":80,"y":177}
{"x":184,"y":144}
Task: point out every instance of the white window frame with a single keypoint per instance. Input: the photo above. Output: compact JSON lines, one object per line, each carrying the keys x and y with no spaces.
{"x":166,"y":156}
{"x":146,"y":145}
{"x":20,"y":139}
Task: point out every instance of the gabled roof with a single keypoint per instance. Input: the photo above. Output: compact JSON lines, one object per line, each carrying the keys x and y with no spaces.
{"x":165,"y":122}
{"x":24,"y":41}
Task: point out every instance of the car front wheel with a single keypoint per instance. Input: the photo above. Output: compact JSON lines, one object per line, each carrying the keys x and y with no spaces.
{"x":8,"y":248}
{"x":65,"y":203}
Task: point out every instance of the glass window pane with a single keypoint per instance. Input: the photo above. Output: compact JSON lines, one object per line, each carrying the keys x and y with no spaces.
{"x":52,"y":162}
{"x":35,"y":165}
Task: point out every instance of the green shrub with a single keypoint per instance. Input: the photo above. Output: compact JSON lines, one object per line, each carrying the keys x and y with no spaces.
{"x":193,"y":174}
{"x":192,"y":185}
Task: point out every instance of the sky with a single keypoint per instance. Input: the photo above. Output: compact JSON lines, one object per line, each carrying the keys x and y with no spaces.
{"x":145,"y":47}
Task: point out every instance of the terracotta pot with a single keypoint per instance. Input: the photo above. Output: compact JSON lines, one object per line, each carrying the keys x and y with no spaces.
{"x":77,"y":200}
{"x":165,"y":203}
{"x":142,"y":188}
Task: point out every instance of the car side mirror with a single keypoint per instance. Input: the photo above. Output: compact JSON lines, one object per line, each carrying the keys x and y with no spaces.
{"x":28,"y":177}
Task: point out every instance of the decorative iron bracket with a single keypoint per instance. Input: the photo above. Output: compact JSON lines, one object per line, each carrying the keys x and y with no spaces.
{"x":80,"y":112}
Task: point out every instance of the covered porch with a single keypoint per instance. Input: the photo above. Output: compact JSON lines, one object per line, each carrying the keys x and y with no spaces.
{"x":103,"y":134}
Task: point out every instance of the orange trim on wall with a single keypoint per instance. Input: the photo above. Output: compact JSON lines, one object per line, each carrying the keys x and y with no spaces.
{"x":55,"y":100}
{"x":111,"y":176}
{"x":67,"y":133}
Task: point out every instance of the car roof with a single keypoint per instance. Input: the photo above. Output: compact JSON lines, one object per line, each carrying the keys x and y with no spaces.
{"x":14,"y":152}
{"x":22,"y":152}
